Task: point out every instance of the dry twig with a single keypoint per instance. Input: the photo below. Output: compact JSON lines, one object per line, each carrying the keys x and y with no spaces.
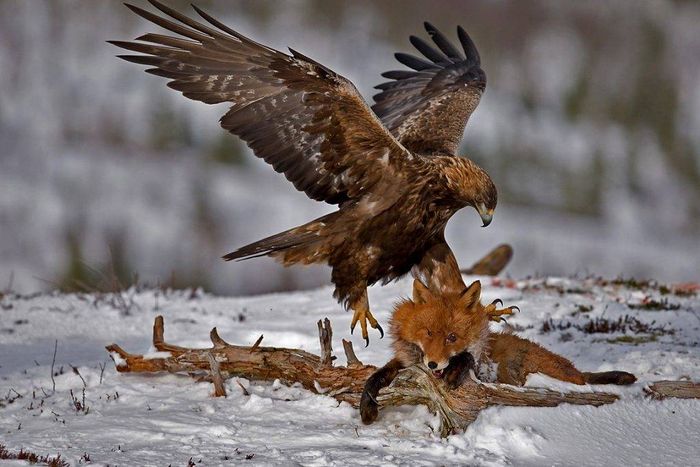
{"x":53,"y":362}
{"x":216,"y":378}
{"x":257,"y":343}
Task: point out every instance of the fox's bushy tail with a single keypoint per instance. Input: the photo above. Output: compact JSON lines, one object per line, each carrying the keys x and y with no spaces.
{"x":621,"y":378}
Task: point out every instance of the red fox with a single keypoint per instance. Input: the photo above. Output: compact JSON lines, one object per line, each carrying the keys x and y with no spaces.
{"x":449,"y":334}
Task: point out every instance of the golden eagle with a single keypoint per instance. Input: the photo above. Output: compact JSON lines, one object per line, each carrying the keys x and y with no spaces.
{"x":392,"y":172}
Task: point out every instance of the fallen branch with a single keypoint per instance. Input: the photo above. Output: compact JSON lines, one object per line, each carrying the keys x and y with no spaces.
{"x":456,"y":408}
{"x":264,"y":364}
{"x":678,"y":389}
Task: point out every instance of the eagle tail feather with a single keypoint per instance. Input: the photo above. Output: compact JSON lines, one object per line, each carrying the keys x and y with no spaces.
{"x":300,"y":244}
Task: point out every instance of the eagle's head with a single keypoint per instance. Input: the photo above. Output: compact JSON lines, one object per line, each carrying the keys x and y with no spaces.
{"x":486,"y":198}
{"x":472,"y":186}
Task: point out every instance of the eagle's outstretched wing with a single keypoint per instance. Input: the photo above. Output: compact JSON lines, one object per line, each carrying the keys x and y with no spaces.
{"x":302,"y":118}
{"x":428,"y":107}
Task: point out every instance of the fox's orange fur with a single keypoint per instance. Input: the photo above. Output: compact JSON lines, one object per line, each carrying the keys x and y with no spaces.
{"x":427,"y":329}
{"x":517,"y":357}
{"x":449,"y":334}
{"x":421,"y":327}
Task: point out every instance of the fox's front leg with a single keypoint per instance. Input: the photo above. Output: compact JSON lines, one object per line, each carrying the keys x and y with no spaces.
{"x":458,"y":369}
{"x":369,"y":407}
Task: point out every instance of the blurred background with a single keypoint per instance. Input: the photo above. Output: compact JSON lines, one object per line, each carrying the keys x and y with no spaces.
{"x":590,"y":127}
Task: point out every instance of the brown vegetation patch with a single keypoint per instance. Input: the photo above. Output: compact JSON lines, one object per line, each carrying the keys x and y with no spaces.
{"x":32,"y":458}
{"x":607,"y":326}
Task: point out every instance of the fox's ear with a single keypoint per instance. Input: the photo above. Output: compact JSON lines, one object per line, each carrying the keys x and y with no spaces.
{"x":471,"y":295}
{"x":421,"y":294}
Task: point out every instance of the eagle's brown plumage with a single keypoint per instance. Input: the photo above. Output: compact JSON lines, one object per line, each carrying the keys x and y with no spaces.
{"x":427,"y":107}
{"x":396,"y":180}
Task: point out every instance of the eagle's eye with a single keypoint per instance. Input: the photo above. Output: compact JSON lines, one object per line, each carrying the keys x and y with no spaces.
{"x":451,"y":337}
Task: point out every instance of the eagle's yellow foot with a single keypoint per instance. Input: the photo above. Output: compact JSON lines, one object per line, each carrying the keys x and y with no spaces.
{"x":496,"y":314}
{"x":363,"y":315}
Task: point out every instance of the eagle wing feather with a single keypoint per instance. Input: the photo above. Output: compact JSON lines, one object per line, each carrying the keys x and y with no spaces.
{"x":299,"y":116}
{"x":427,"y":108}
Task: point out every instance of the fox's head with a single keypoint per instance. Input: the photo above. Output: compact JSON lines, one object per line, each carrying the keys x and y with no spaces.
{"x":441,"y":326}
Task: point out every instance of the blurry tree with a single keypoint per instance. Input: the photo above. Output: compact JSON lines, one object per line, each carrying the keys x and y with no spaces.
{"x":591,"y":113}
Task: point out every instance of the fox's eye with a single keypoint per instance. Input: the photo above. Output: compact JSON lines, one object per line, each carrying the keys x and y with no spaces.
{"x":429,"y":333}
{"x":451,"y":337}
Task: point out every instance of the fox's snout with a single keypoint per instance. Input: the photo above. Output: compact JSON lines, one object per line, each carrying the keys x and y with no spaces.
{"x":436,"y":356}
{"x":435,"y":365}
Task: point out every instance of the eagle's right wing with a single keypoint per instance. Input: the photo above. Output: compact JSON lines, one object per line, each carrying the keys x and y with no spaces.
{"x":426,"y":108}
{"x":302,"y":118}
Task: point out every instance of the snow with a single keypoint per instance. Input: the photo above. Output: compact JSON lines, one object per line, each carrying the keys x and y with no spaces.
{"x":629,"y":432}
{"x":162,"y":419}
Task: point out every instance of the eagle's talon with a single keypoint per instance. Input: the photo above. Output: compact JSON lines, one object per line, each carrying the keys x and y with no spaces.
{"x":364,"y":316}
{"x":498,"y":314}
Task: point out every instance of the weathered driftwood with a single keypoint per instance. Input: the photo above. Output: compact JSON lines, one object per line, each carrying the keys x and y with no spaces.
{"x":456,"y":408}
{"x":493,"y":263}
{"x":677,"y":389}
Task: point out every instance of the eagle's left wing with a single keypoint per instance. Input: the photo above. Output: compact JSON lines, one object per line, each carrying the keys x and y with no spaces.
{"x":308,"y":122}
{"x":427,"y":108}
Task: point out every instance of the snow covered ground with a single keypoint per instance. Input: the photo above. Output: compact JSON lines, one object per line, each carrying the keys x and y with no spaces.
{"x":168,"y":419}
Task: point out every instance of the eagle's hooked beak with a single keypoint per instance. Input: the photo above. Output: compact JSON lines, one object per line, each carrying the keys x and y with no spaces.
{"x":486,"y":214}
